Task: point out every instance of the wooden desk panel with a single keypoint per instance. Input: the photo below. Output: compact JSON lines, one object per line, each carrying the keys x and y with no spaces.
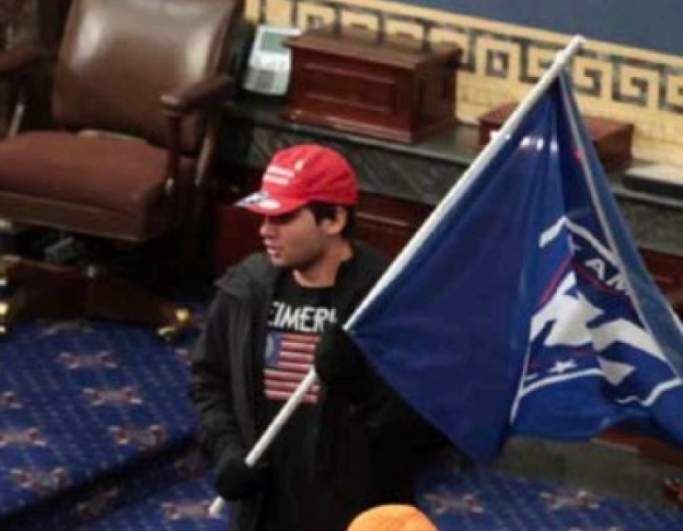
{"x":391,"y":88}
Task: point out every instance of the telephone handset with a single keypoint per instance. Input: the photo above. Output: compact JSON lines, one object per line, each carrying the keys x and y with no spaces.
{"x":269,"y":64}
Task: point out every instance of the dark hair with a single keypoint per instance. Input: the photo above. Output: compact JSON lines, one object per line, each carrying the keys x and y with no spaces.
{"x":329,"y":211}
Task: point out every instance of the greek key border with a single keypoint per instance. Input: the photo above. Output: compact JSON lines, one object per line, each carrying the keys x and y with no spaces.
{"x":609,"y":76}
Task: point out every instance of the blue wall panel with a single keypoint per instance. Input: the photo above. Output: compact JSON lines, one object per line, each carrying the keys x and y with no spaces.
{"x":650,"y":24}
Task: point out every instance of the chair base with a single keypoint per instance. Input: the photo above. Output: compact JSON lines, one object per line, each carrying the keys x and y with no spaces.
{"x":42,"y":290}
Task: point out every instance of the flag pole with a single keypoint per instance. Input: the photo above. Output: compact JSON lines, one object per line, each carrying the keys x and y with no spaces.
{"x":453,"y":196}
{"x":271,"y":432}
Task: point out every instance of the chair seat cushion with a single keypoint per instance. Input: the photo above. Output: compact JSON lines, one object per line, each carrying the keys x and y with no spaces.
{"x":121,"y":175}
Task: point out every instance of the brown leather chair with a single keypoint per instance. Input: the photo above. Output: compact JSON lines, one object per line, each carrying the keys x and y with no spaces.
{"x":136,"y":90}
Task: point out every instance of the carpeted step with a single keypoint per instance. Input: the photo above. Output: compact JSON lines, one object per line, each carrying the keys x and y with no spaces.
{"x":483,"y":499}
{"x":96,"y":434}
{"x":109,"y":492}
{"x":83,"y":408}
{"x":472,"y":498}
{"x":184,"y":506}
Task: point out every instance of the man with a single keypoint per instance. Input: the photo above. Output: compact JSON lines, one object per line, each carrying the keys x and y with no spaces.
{"x":351,"y":444}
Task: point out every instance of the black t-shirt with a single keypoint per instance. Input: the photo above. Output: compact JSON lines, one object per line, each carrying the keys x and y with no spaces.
{"x":299,"y":499}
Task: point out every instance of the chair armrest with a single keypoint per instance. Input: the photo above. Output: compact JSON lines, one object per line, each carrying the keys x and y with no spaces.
{"x":186,"y":99}
{"x":180,"y":102}
{"x":21,"y":60}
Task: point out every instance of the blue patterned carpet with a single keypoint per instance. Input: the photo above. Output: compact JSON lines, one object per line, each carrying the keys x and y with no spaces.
{"x":482,"y":499}
{"x":96,"y":434}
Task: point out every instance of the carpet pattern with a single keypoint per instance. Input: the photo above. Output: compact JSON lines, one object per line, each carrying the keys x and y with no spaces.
{"x":97,"y":434}
{"x":478,"y":498}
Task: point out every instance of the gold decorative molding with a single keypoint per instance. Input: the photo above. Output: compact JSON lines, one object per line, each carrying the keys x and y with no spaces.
{"x":502,"y":61}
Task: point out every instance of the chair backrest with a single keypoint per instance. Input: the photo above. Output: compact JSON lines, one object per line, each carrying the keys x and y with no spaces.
{"x":118,"y":56}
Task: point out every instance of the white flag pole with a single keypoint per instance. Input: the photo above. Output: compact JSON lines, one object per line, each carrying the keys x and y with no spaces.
{"x":454,"y":195}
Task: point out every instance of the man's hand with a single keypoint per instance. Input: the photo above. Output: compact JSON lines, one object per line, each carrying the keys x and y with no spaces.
{"x":235,"y":480}
{"x":337,"y":357}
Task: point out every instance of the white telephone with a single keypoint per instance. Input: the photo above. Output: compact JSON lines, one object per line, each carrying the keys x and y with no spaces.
{"x":270,"y":62}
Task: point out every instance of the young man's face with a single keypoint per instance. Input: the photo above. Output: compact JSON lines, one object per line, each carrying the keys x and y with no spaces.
{"x":295,"y":239}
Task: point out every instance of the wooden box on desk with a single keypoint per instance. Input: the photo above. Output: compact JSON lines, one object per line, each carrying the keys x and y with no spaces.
{"x":391,"y":88}
{"x":612,"y":139}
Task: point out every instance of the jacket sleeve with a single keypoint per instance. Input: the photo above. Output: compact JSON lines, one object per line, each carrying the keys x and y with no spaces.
{"x":210,"y":389}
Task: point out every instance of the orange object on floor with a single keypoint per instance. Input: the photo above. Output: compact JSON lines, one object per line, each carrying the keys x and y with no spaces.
{"x":392,"y":518}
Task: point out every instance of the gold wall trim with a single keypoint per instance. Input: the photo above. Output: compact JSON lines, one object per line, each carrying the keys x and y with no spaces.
{"x":502,"y":61}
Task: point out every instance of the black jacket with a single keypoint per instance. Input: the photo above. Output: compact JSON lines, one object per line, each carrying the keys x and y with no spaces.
{"x":370,"y":442}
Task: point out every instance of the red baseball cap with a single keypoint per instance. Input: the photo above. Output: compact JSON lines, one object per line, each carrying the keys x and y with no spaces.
{"x":302,"y":174}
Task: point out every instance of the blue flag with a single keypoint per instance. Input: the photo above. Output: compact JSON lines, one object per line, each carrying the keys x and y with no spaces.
{"x":527,"y":309}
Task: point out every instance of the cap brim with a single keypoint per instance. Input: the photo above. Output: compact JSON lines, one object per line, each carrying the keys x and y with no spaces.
{"x":264,"y":205}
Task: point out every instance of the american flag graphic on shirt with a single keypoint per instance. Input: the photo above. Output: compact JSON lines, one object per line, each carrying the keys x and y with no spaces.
{"x":289,"y":357}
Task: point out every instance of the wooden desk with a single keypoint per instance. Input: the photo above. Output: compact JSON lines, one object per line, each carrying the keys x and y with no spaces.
{"x":391,"y":88}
